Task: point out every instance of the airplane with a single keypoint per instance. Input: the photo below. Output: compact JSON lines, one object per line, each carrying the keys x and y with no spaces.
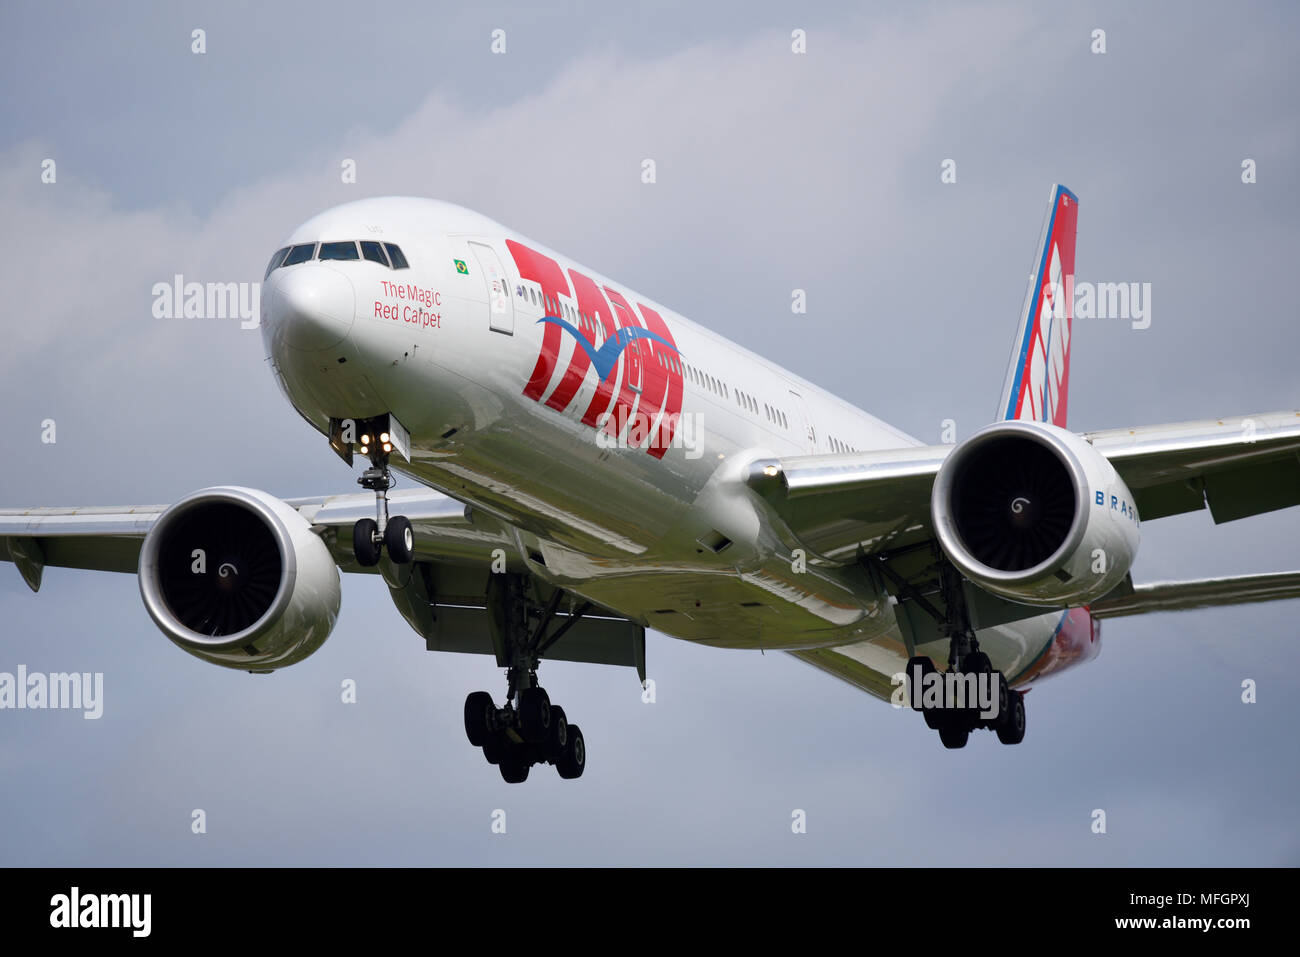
{"x":587,"y":464}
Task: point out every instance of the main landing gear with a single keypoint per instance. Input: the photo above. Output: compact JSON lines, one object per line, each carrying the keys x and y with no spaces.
{"x":949,"y":710}
{"x":371,"y":536}
{"x":527,"y":729}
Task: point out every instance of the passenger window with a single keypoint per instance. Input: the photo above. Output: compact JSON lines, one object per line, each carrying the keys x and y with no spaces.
{"x":343,"y":250}
{"x":300,"y":254}
{"x":395,"y":254}
{"x":374,"y":252}
{"x":275,"y":262}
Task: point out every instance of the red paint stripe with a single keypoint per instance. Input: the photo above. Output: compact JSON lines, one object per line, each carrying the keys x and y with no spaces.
{"x":545,"y":271}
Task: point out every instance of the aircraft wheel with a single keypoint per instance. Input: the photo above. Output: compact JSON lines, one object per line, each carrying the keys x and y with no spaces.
{"x":534,"y":715}
{"x":1011,"y":725}
{"x":574,"y":760}
{"x":558,"y":736}
{"x":364,"y":545}
{"x":399,"y":539}
{"x":1004,"y":699}
{"x":478,"y":711}
{"x":953,"y":736}
{"x":927,"y":667}
{"x":514,"y":769}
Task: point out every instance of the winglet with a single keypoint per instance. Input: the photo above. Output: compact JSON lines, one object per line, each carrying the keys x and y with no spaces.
{"x":1038,"y":375}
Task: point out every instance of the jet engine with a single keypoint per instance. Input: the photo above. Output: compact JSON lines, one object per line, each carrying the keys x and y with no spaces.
{"x":1033,"y":513}
{"x":237,"y":578}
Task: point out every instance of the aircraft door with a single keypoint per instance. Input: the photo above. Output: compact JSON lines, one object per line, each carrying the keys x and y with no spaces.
{"x":801,"y":421}
{"x":501,"y":308}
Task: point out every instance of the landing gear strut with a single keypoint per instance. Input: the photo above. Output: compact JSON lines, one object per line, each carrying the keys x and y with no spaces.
{"x":527,"y":729}
{"x":371,"y":536}
{"x":954,"y":709}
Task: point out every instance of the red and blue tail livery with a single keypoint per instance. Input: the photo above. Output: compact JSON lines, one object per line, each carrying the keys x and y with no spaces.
{"x":1038,"y":378}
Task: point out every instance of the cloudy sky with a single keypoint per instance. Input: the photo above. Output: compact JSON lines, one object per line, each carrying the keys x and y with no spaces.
{"x":776,"y":171}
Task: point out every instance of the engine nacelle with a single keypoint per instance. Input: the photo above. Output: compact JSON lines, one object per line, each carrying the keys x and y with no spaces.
{"x":1035,"y":514}
{"x":238,"y":578}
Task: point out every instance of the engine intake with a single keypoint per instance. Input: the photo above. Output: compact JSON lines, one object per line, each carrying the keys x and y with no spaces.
{"x":237,"y":578}
{"x":1014,"y":503}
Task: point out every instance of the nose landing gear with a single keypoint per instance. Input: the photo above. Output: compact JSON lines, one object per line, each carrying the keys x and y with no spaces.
{"x":372,"y":536}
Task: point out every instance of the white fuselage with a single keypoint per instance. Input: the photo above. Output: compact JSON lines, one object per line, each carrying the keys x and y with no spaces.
{"x":503,"y":418}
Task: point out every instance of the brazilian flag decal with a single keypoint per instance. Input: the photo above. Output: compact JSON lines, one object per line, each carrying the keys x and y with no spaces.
{"x":461,"y":267}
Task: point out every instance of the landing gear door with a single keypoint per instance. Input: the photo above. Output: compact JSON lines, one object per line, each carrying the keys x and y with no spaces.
{"x":501,"y":308}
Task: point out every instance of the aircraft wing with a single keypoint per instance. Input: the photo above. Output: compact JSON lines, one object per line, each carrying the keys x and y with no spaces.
{"x":838,"y":505}
{"x":441,"y":593}
{"x":835,"y":504}
{"x":108,"y":538}
{"x":1236,"y":467}
{"x":1198,"y":593}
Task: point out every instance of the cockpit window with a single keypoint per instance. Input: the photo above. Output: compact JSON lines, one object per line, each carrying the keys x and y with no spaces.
{"x":395,"y":254}
{"x":300,"y":254}
{"x":347,"y":250}
{"x":275,"y":262}
{"x":386,"y":254}
{"x":374,"y":252}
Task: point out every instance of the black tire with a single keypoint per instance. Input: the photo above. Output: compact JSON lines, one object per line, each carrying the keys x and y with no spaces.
{"x":927,"y":667}
{"x":399,"y":539}
{"x":364,"y":545}
{"x":953,"y":736}
{"x":514,"y":769}
{"x":574,"y":759}
{"x":976,"y":663}
{"x":1004,"y":700}
{"x":497,"y":748}
{"x":478,"y":723}
{"x":933,"y":718}
{"x":1011,"y":728}
{"x":558,"y":737}
{"x":534,"y":715}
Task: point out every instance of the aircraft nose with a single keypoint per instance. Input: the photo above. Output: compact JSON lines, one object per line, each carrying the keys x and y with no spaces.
{"x":314,"y":306}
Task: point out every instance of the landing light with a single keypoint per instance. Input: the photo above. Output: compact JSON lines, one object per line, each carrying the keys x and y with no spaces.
{"x":388,"y":447}
{"x":365,"y":450}
{"x":365,"y":440}
{"x":771,"y":471}
{"x":383,"y":437}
